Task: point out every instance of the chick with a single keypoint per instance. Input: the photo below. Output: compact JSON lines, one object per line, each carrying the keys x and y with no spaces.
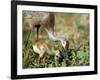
{"x":58,"y":56}
{"x":41,"y":49}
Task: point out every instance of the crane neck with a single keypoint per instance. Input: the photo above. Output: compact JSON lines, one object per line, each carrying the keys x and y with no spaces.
{"x":54,"y":37}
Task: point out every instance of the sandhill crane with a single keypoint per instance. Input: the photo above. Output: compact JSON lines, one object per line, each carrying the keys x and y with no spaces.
{"x":45,"y":20}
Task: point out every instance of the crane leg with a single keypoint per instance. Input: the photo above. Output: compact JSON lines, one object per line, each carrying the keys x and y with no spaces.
{"x":38,"y":27}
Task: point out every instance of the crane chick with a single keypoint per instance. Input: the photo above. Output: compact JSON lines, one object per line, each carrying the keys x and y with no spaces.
{"x":41,"y":49}
{"x":58,"y":56}
{"x":61,"y":54}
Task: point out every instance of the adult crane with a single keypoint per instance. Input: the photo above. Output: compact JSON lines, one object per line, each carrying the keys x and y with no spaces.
{"x":45,"y":20}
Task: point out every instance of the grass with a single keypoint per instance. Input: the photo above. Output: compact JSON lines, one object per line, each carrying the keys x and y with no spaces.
{"x":75,"y":57}
{"x":75,"y":27}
